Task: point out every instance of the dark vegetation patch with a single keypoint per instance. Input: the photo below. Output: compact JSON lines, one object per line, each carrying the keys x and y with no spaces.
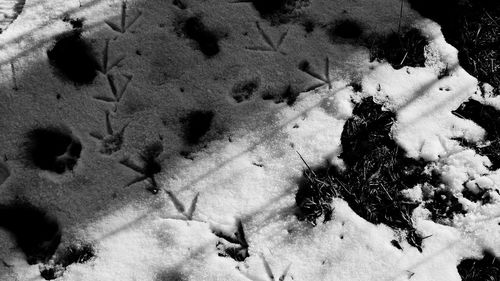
{"x":488,"y":117}
{"x":376,"y":172}
{"x":232,"y":245}
{"x":244,"y":90}
{"x":196,"y":124}
{"x":52,"y":149}
{"x":286,"y":94}
{"x":77,"y":253}
{"x":73,"y":57}
{"x":443,"y":205}
{"x":399,"y":49}
{"x":279,"y":11}
{"x":207,"y":40}
{"x":345,"y":28}
{"x":473,"y":27}
{"x":36,"y":233}
{"x":445,"y":72}
{"x":487,"y":268}
{"x":356,"y":86}
{"x":478,"y":194}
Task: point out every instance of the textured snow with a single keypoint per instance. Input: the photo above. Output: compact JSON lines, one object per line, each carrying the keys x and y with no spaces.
{"x":249,"y":168}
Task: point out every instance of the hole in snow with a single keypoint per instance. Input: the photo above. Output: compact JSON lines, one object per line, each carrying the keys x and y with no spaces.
{"x":36,"y":233}
{"x":53,"y":149}
{"x":76,"y":253}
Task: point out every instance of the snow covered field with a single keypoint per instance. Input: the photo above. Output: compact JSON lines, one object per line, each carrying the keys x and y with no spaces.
{"x":166,"y":140}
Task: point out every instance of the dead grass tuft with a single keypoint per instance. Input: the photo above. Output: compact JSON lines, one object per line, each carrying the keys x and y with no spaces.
{"x":487,"y":268}
{"x":377,"y":170}
{"x":398,"y":49}
{"x":471,"y":26}
{"x":488,"y":118}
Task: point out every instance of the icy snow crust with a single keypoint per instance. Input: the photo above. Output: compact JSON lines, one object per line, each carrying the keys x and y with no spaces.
{"x":247,"y":166}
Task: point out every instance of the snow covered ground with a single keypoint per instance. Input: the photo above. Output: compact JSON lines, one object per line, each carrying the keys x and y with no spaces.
{"x":235,"y":185}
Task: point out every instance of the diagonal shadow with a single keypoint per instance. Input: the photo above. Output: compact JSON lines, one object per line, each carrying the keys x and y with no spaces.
{"x":226,"y":162}
{"x":423,"y":90}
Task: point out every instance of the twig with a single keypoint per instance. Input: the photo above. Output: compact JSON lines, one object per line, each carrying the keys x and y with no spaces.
{"x":404,"y":58}
{"x":494,"y":21}
{"x":105,"y":57}
{"x":309,"y":168}
{"x":400,"y":17}
{"x":14,"y":80}
{"x":124,"y":16}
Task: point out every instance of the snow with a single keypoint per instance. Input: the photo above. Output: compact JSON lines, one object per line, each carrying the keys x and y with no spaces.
{"x":249,"y":167}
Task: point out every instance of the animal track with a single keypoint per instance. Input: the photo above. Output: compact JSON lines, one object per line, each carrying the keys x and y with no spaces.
{"x":112,"y":141}
{"x":37,"y":234}
{"x":106,"y":65}
{"x":180,"y":4}
{"x":277,"y":11}
{"x":196,"y":124}
{"x":14,"y":79}
{"x":244,"y":90}
{"x":287,"y":95}
{"x":271,"y":46}
{"x":269,"y":272}
{"x":345,"y":28}
{"x":309,"y":25}
{"x":233,"y":245}
{"x":53,"y":149}
{"x":207,"y":40}
{"x":73,"y":57}
{"x":76,"y":253}
{"x":114,"y":81}
{"x":305,"y":66}
{"x":116,"y":89}
{"x":4,"y":172}
{"x":151,"y":166}
{"x":124,"y":24}
{"x":188,"y":214}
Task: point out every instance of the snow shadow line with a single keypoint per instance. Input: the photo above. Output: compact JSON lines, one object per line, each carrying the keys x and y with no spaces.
{"x":422,"y":90}
{"x":226,"y":162}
